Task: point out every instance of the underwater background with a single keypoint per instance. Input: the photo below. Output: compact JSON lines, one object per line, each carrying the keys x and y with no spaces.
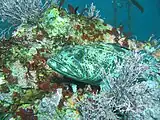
{"x":79,"y":60}
{"x":142,"y":25}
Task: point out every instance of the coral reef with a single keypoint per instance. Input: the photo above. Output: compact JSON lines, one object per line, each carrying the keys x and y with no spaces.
{"x":18,"y":11}
{"x":30,"y":89}
{"x":48,"y":105}
{"x":131,"y":96}
{"x":96,"y":107}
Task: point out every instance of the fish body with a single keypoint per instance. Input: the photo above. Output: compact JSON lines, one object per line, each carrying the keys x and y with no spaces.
{"x":88,"y":62}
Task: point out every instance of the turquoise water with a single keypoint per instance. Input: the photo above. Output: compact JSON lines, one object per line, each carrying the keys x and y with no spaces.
{"x":142,"y":25}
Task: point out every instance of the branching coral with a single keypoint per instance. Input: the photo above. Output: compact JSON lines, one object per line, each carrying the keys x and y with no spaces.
{"x":96,"y":107}
{"x":133,"y":90}
{"x":92,"y":12}
{"x":18,"y":11}
{"x":47,"y":107}
{"x":133,"y":94}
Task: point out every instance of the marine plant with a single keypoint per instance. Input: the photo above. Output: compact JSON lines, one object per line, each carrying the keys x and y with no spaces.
{"x":92,"y":12}
{"x":47,"y":108}
{"x":96,"y":107}
{"x":54,"y":24}
{"x":18,"y":11}
{"x":131,"y":97}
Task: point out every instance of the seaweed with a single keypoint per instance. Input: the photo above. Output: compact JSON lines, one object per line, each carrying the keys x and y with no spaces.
{"x":136,"y":3}
{"x":60,"y":4}
{"x":72,"y":10}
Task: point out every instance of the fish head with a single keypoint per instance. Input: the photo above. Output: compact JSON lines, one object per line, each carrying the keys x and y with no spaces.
{"x":67,"y":63}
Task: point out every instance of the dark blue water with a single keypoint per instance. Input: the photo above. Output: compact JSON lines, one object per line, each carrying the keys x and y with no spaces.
{"x":143,"y":25}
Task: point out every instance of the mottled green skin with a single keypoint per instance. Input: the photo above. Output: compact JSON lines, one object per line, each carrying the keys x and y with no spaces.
{"x":86,"y":63}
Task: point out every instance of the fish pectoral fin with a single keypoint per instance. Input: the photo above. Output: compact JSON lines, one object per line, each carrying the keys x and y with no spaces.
{"x":105,"y":86}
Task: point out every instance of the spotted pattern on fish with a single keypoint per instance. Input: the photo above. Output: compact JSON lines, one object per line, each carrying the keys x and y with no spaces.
{"x":85,"y":63}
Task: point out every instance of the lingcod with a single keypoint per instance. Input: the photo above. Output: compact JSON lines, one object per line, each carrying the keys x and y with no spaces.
{"x":88,"y":63}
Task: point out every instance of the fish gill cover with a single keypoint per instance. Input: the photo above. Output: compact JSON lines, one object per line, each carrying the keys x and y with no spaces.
{"x":63,"y":64}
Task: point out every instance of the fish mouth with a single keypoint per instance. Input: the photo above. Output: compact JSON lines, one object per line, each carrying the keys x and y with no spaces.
{"x":61,"y":68}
